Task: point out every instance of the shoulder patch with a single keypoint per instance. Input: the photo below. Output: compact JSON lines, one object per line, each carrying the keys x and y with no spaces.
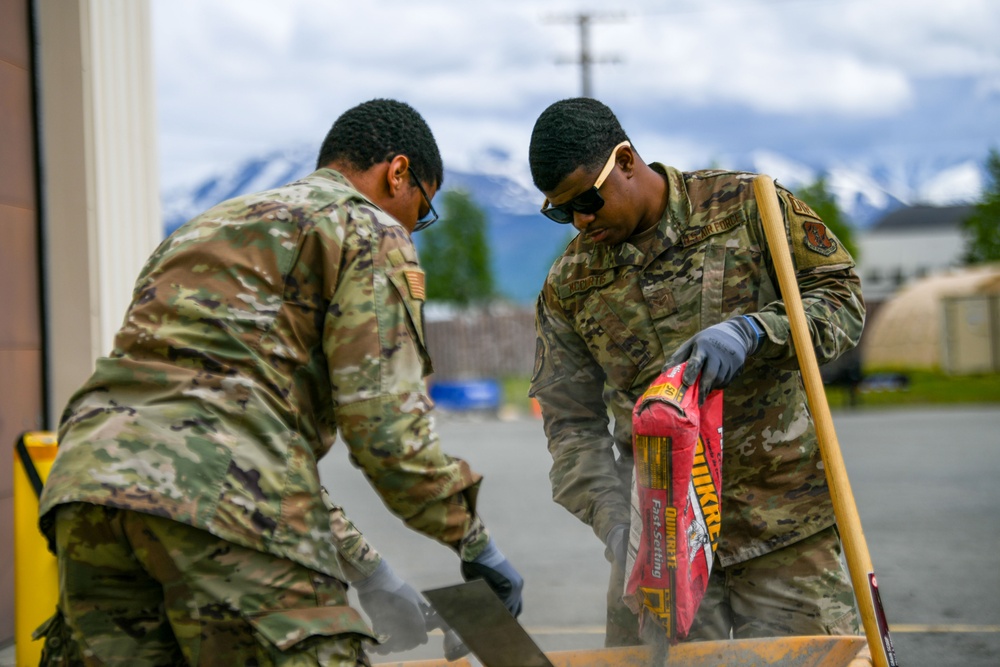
{"x":816,"y":238}
{"x":415,"y":282}
{"x":396,"y":258}
{"x":402,"y":255}
{"x":802,"y":208}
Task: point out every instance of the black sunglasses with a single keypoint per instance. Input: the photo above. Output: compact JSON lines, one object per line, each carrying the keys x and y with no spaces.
{"x":431,"y":217}
{"x":588,"y":201}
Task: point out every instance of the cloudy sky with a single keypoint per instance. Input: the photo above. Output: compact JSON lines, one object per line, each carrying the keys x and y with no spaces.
{"x":694,"y":80}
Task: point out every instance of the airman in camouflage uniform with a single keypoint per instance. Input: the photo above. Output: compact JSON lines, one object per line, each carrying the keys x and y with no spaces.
{"x":185,"y":505}
{"x":663,"y":256}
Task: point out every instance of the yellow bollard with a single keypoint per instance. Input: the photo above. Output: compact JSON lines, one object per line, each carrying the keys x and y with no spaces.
{"x":36,"y":579}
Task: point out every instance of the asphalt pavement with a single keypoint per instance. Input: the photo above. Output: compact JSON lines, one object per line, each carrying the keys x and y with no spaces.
{"x":924,"y":480}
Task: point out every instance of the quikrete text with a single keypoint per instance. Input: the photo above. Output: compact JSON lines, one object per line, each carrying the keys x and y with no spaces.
{"x":708,"y":494}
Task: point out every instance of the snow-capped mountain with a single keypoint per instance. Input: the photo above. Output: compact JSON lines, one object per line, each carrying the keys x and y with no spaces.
{"x":523,"y":243}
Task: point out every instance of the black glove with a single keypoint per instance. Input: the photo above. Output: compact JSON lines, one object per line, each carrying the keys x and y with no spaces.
{"x":717,"y":353}
{"x":395,"y":610}
{"x":494,"y":567}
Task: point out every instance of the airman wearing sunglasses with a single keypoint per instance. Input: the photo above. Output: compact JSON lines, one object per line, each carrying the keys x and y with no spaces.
{"x":185,"y":505}
{"x":672,"y":266}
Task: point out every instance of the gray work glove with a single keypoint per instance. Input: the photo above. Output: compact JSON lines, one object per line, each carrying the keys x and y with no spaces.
{"x":717,"y":353}
{"x":617,"y":545}
{"x":395,"y":610}
{"x":494,"y":567}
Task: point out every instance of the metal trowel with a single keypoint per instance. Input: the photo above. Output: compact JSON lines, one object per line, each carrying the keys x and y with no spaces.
{"x":488,"y":629}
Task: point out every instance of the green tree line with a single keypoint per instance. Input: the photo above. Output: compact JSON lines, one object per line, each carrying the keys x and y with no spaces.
{"x":982,"y":228}
{"x":455,"y":254}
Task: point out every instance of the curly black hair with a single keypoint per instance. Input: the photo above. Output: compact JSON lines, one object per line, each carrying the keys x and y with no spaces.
{"x":571,"y":133}
{"x":378,"y":130}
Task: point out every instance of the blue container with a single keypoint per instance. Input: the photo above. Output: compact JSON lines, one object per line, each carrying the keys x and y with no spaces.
{"x":461,"y":395}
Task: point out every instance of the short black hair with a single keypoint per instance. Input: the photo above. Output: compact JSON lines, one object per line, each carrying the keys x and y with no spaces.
{"x":571,"y":133}
{"x":378,"y":130}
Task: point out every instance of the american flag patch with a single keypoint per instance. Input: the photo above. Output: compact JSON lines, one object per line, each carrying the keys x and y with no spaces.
{"x":415,"y":281}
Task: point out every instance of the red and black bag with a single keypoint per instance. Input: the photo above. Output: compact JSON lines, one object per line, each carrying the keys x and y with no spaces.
{"x":676,"y":502}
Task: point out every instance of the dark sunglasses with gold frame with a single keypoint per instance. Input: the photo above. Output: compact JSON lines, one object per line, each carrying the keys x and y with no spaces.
{"x":588,"y":201}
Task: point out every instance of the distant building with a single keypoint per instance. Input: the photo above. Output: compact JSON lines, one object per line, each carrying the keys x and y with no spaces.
{"x":908,"y":244}
{"x":949,"y":321}
{"x":926,"y":309}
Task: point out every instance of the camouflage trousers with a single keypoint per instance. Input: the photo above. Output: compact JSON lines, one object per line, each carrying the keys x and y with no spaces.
{"x":801,"y":589}
{"x":137,"y":589}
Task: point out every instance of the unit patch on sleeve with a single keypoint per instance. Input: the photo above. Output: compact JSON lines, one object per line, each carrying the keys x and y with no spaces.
{"x":816,"y":238}
{"x":802,"y":208}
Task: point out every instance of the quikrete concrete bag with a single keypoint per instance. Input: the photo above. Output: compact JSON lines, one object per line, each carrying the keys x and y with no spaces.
{"x":676,"y":502}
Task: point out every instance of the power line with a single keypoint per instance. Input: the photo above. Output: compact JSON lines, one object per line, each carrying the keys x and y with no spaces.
{"x":585,"y":60}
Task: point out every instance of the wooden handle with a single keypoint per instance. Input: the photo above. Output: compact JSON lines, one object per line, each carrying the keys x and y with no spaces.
{"x":844,"y":508}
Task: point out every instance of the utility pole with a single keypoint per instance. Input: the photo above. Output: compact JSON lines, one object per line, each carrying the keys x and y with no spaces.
{"x":585,"y":59}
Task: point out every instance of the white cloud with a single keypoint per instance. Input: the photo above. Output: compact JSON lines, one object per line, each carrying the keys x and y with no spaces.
{"x":961,"y":183}
{"x":923,"y":37}
{"x":788,"y":172}
{"x":237,"y":77}
{"x":765,"y":60}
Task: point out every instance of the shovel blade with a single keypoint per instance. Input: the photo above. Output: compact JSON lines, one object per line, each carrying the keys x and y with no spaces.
{"x":488,"y":629}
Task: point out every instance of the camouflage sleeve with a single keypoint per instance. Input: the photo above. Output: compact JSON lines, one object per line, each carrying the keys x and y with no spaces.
{"x":358,"y":559}
{"x":373,"y":343}
{"x":569,"y":384}
{"x":830,"y":289}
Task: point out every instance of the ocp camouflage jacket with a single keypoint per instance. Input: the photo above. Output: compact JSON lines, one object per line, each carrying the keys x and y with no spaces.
{"x":609,"y":317}
{"x":257,"y":331}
